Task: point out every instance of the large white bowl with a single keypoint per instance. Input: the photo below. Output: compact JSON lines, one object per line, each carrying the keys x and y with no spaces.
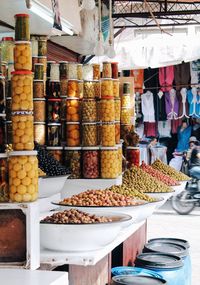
{"x":81,"y":237}
{"x":51,"y":185}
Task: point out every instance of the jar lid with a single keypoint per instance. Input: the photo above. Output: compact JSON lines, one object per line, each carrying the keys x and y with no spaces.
{"x":126,"y":108}
{"x":131,"y":279}
{"x":133,"y":147}
{"x":22,"y":72}
{"x":92,"y":81}
{"x":107,"y":97}
{"x":90,"y":147}
{"x":183,"y":242}
{"x":80,"y":64}
{"x":56,"y":81}
{"x":54,"y":124}
{"x":51,"y":61}
{"x":96,"y":81}
{"x":42,"y":40}
{"x":72,"y":123}
{"x":63,"y":97}
{"x":8,"y":122}
{"x":106,"y":79}
{"x":73,"y":80}
{"x":115,"y":79}
{"x":106,"y":62}
{"x":72,"y":98}
{"x":126,"y":94}
{"x":54,"y":148}
{"x":117,"y":122}
{"x":89,"y":123}
{"x":2,"y":115}
{"x":22,"y":42}
{"x":38,"y":80}
{"x":108,"y":123}
{"x":10,"y":39}
{"x":55,"y":63}
{"x":8,"y":98}
{"x":63,"y":62}
{"x":42,"y":56}
{"x":53,"y":100}
{"x":22,"y":113}
{"x":88,"y":99}
{"x":23,"y":152}
{"x":34,"y":56}
{"x":39,"y":123}
{"x":117,"y":99}
{"x":3,"y":155}
{"x":94,"y":64}
{"x":22,"y":15}
{"x":72,"y":62}
{"x":39,"y":99}
{"x":114,"y":62}
{"x":42,"y":64}
{"x":72,"y":148}
{"x":108,"y":147}
{"x":166,"y":247}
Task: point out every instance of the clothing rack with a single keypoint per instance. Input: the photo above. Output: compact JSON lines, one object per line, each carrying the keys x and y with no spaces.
{"x":172,"y":86}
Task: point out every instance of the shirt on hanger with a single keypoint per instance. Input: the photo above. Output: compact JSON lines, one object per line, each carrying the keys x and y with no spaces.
{"x":194,"y":103}
{"x":166,"y":78}
{"x":164,"y":129}
{"x":160,"y":110}
{"x":171,"y":105}
{"x":148,"y":107}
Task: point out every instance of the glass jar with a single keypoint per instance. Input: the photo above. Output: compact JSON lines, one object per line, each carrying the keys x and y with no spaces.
{"x":88,"y":89}
{"x":42,"y":47}
{"x":114,"y":66}
{"x":97,"y":89}
{"x":73,"y":134}
{"x":53,"y":134}
{"x":22,"y":27}
{"x":117,"y":132}
{"x":39,"y":107}
{"x":22,"y":91}
{"x":10,"y":70}
{"x":117,"y":109}
{"x":22,"y":56}
{"x":38,"y":89}
{"x":8,"y":87}
{"x":96,"y":71}
{"x":107,"y":70}
{"x":48,"y":72}
{"x":126,"y":101}
{"x":63,"y":107}
{"x":89,"y":134}
{"x":39,"y":71}
{"x":2,"y":94}
{"x":43,"y":59}
{"x":63,"y":132}
{"x":7,"y":49}
{"x":53,"y":110}
{"x":87,"y":72}
{"x":80,"y":89}
{"x":120,"y":155}
{"x":107,"y":110}
{"x":73,"y":110}
{"x":55,"y":72}
{"x":89,"y":110}
{"x":54,"y":89}
{"x":8,"y":109}
{"x":63,"y":69}
{"x":109,"y":162}
{"x":79,"y":71}
{"x":73,"y":161}
{"x":90,"y":162}
{"x":106,"y":87}
{"x":127,"y":88}
{"x":34,"y":61}
{"x":108,"y":134}
{"x":125,"y":116}
{"x":40,"y":132}
{"x":63,"y":87}
{"x":115,"y":88}
{"x":22,"y":129}
{"x":23,"y":176}
{"x":56,"y":152}
{"x":72,"y":70}
{"x":9,"y":135}
{"x":34,"y":45}
{"x":133,"y":156}
{"x":72,"y":88}
{"x":4,"y":192}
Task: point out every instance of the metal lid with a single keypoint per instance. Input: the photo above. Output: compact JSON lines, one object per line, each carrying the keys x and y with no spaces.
{"x":3,"y":155}
{"x":22,"y":42}
{"x":72,"y":148}
{"x":137,"y":280}
{"x":89,"y":123}
{"x":39,"y":99}
{"x":108,"y":123}
{"x":117,"y":122}
{"x":21,"y":113}
{"x":39,"y":63}
{"x":72,"y":98}
{"x":108,"y":147}
{"x":22,"y":15}
{"x":39,"y":123}
{"x":106,"y":79}
{"x":54,"y":148}
{"x":10,"y":39}
{"x":20,"y":153}
{"x":38,"y":80}
{"x":183,"y":242}
{"x":54,"y":124}
{"x":132,"y":147}
{"x":62,"y":62}
{"x":90,"y":147}
{"x":42,"y":56}
{"x":166,"y":247}
{"x":72,"y":123}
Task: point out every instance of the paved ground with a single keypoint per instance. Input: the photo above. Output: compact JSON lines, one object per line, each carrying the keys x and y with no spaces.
{"x":166,"y":223}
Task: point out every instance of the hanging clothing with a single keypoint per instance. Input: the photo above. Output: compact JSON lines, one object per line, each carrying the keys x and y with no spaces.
{"x":174,"y":125}
{"x":164,"y":129}
{"x":195,"y":71}
{"x":183,"y":139}
{"x":151,"y":79}
{"x":184,"y":104}
{"x":148,"y":107}
{"x":138,"y":75}
{"x":138,"y":107}
{"x":150,"y":129}
{"x":166,"y":78}
{"x":194,"y":102}
{"x":182,"y":75}
{"x":171,"y":104}
{"x":160,"y":109}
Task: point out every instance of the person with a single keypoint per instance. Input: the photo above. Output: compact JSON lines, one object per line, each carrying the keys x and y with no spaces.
{"x":194,"y":166}
{"x":184,"y":133}
{"x":193,"y":142}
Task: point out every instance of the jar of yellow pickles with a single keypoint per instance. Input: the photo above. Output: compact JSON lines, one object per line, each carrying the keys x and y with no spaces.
{"x":109,"y":162}
{"x":126,"y":101}
{"x":117,"y":109}
{"x":7,"y":48}
{"x":88,"y":89}
{"x":108,"y":134}
{"x":23,"y":176}
{"x":97,"y":89}
{"x":107,"y":110}
{"x":125,"y":116}
{"x":22,"y":56}
{"x":89,"y":134}
{"x":119,"y":155}
{"x":89,"y":110}
{"x":73,"y":110}
{"x":107,"y":70}
{"x":22,"y":90}
{"x":106,"y":87}
{"x":72,"y":88}
{"x":96,"y":71}
{"x":117,"y":132}
{"x":115,"y":87}
{"x":22,"y":129}
{"x":79,"y":71}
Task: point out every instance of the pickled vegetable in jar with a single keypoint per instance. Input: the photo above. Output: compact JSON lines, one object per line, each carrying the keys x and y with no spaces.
{"x":63,"y":87}
{"x":22,"y":27}
{"x":63,"y":69}
{"x":40,"y":132}
{"x":22,"y":56}
{"x":53,"y":134}
{"x":107,"y":110}
{"x":117,"y":132}
{"x":53,"y":110}
{"x":109,"y":162}
{"x":120,"y":158}
{"x":126,"y":88}
{"x":87,"y":72}
{"x":9,"y":135}
{"x":54,"y":89}
{"x":22,"y":91}
{"x":80,"y":89}
{"x":10,"y":70}
{"x":63,"y":107}
{"x":56,"y":152}
{"x":63,"y":132}
{"x":2,"y":94}
{"x":89,"y":134}
{"x":38,"y":89}
{"x":114,"y":66}
{"x":34,"y":61}
{"x":90,"y":162}
{"x":72,"y":70}
{"x":106,"y":87}
{"x":39,"y":71}
{"x":43,"y":59}
{"x":55,"y":72}
{"x":126,"y":101}
{"x":88,"y":89}
{"x":97,"y":89}
{"x":4,"y":191}
{"x":34,"y":45}
{"x":23,"y":176}
{"x":39,"y":107}
{"x":125,"y":116}
{"x":48,"y":72}
{"x":73,"y":161}
{"x":73,"y":134}
{"x":7,"y":49}
{"x":133,"y":156}
{"x":117,"y":109}
{"x":108,"y":134}
{"x":8,"y":109}
{"x":79,"y":71}
{"x":73,"y":110}
{"x":89,"y":110}
{"x":107,"y":70}
{"x":72,"y":88}
{"x":42,"y":47}
{"x":115,"y":87}
{"x":96,"y":71}
{"x":22,"y":129}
